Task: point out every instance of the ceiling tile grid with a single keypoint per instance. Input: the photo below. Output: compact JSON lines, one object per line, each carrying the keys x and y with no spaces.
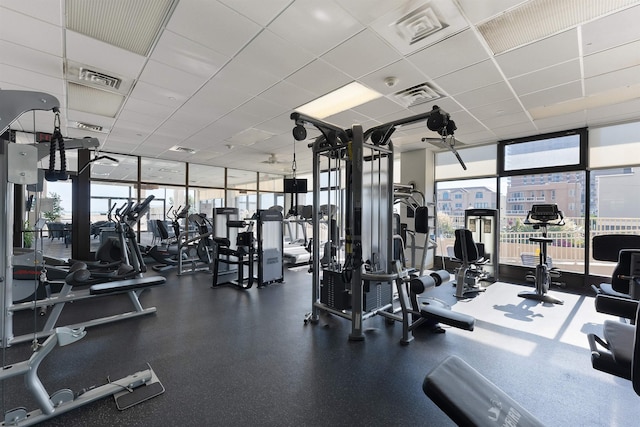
{"x":228,"y":72}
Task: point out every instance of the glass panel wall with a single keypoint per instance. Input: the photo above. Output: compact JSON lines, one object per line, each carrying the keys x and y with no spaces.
{"x":614,"y":209}
{"x":106,"y":196}
{"x":166,"y":205}
{"x":452,"y":199}
{"x":567,"y":190}
{"x":271,"y":191}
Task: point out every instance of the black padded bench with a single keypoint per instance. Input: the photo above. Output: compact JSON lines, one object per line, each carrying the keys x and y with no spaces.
{"x":469,"y":399}
{"x":126,"y":285}
{"x":446,"y":316}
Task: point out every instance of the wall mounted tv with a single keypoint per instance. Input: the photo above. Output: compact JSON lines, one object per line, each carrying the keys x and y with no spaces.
{"x":293,"y":185}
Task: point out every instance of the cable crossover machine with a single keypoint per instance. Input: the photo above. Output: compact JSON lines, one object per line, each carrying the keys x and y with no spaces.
{"x":354,"y":271}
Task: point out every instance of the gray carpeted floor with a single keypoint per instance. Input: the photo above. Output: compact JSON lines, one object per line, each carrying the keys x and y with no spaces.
{"x":231,"y":357}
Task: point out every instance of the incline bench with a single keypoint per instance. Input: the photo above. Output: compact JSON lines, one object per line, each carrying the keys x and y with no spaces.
{"x":469,"y":399}
{"x":69,"y":293}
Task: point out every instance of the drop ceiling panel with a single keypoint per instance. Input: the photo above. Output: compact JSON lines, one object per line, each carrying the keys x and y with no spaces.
{"x":152,"y":93}
{"x":447,"y":104}
{"x":562,"y":93}
{"x":271,"y":54}
{"x":287,"y":95}
{"x":452,"y":54}
{"x":497,"y":110}
{"x":618,"y":58}
{"x":542,"y":54}
{"x":514,"y":131}
{"x":378,"y":107}
{"x":610,"y":31}
{"x":407,"y":76}
{"x":217,"y":98}
{"x":150,"y":108}
{"x":478,"y":75}
{"x":30,"y":32}
{"x":513,"y":121}
{"x":485,"y":95}
{"x":319,"y":77}
{"x":143,"y":119}
{"x":279,"y":124}
{"x":44,"y":10}
{"x":187,"y":55}
{"x":94,"y":53}
{"x":30,"y":59}
{"x":261,"y":11}
{"x":176,"y":129}
{"x":354,"y":57}
{"x":315,"y":25}
{"x":562,"y":122}
{"x":348,"y":118}
{"x":478,"y":11}
{"x":547,"y":78}
{"x":367,"y":11}
{"x":616,"y":79}
{"x":213,"y":25}
{"x":244,"y":76}
{"x":167,"y":77}
{"x":614,"y":113}
{"x":32,"y":80}
{"x":190,"y":120}
{"x":262,"y":108}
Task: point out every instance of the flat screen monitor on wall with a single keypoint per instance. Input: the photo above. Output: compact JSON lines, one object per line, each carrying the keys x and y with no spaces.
{"x":295,"y":186}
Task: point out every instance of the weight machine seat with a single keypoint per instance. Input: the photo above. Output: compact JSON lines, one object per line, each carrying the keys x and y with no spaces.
{"x":470,"y":399}
{"x":444,"y":315}
{"x":466,"y":249}
{"x":126,"y":285}
{"x":619,"y":351}
{"x":607,"y":247}
{"x":620,"y":287}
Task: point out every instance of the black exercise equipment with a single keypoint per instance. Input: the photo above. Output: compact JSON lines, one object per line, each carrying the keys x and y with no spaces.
{"x":618,"y":248}
{"x":471,"y":255}
{"x":541,"y":217}
{"x":470,"y":399}
{"x":618,"y":351}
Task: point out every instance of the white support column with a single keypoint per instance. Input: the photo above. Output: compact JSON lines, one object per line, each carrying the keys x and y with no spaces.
{"x":417,"y":167}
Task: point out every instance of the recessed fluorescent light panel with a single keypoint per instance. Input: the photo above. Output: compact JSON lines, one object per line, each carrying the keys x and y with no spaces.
{"x":339,"y":100}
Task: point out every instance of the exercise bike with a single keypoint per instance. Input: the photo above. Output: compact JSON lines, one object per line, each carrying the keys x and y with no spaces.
{"x":540,"y":217}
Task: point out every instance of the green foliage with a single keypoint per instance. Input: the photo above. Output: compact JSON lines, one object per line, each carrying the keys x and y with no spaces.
{"x":27,"y":235}
{"x":56,"y":211}
{"x":445,"y":225}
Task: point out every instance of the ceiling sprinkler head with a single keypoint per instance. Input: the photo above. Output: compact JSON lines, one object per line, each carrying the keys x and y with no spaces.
{"x":391,"y":81}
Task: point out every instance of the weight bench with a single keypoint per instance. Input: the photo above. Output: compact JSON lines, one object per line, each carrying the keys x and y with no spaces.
{"x":71,"y":292}
{"x":470,"y":399}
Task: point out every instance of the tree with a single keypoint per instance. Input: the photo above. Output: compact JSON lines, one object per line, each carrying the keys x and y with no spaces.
{"x":56,"y":208}
{"x":445,"y":225}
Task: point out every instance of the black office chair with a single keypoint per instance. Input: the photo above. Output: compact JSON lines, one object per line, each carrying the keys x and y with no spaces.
{"x":472,"y":258}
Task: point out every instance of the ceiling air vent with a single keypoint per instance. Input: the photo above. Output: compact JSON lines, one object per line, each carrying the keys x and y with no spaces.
{"x":420,"y":24}
{"x":99,"y":79}
{"x":416,"y":95}
{"x":86,"y":126}
{"x":183,"y":149}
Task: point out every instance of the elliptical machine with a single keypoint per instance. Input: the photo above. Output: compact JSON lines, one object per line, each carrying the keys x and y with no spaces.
{"x":540,"y":217}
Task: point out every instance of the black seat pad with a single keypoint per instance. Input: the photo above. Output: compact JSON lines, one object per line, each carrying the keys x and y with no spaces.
{"x":126,"y":285}
{"x":448,"y":317}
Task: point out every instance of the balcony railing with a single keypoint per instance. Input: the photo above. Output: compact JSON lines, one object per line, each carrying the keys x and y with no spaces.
{"x":567,"y":249}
